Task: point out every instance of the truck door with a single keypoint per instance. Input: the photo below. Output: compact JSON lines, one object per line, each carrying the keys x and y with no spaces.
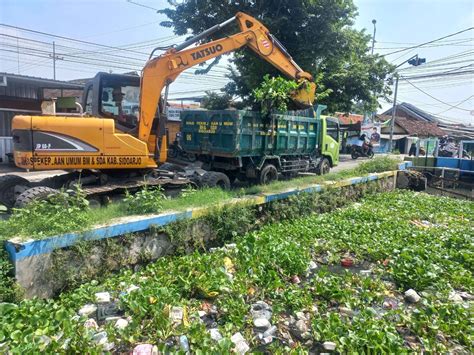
{"x":330,"y":133}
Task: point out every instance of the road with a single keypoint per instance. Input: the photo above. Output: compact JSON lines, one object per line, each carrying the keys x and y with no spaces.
{"x":345,"y":163}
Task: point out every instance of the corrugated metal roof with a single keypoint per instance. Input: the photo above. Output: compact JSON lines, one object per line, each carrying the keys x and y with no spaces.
{"x":42,"y":82}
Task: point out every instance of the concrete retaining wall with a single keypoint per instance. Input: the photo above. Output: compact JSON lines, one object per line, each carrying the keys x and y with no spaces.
{"x":36,"y":268}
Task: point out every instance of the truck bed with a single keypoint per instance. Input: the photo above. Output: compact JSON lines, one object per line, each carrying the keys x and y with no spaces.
{"x":233,"y":133}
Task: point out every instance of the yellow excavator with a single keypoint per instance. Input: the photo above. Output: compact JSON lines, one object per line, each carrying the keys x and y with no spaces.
{"x":122,"y":143}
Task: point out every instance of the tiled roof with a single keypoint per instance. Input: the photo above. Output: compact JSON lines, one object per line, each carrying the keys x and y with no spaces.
{"x":418,"y":127}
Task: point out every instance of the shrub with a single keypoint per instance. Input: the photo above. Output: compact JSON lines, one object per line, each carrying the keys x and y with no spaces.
{"x":147,"y":200}
{"x":378,"y":165}
{"x":58,"y":214}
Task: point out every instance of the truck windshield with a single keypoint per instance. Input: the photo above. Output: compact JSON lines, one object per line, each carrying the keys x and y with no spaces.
{"x":121,"y":103}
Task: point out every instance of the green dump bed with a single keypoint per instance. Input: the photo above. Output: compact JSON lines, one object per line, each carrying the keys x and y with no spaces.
{"x":232,"y":133}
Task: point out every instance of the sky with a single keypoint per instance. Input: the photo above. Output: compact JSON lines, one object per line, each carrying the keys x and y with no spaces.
{"x":132,"y":31}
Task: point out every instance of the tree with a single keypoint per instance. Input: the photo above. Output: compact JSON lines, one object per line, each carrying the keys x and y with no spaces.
{"x":317,"y":33}
{"x":214,"y":101}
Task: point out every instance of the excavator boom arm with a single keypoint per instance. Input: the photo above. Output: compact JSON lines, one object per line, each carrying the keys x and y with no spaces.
{"x":163,"y":70}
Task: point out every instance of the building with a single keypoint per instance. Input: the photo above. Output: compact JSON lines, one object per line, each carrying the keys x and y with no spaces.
{"x":457,"y":131}
{"x":404,"y":131}
{"x":22,"y":95}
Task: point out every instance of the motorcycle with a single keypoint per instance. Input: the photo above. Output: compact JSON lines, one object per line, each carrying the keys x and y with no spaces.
{"x":450,"y":154}
{"x":177,"y":152}
{"x":357,"y":151}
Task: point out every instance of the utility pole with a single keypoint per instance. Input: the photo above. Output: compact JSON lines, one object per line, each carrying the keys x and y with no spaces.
{"x":374,"y":21}
{"x":55,"y":57}
{"x":415,"y":61}
{"x":394,"y":109}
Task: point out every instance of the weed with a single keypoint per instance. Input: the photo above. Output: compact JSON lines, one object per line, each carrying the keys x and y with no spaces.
{"x":147,"y":200}
{"x":58,"y":214}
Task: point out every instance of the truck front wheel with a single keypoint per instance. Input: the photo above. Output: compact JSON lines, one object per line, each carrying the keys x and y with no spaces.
{"x":323,"y":167}
{"x":268,"y":174}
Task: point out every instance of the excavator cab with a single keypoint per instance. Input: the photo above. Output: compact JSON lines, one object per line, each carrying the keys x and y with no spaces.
{"x":115,"y":96}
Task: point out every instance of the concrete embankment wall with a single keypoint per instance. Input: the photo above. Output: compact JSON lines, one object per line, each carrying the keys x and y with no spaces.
{"x":45,"y":267}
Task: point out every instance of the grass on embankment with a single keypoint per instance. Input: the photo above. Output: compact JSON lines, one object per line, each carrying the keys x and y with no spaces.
{"x":43,"y":219}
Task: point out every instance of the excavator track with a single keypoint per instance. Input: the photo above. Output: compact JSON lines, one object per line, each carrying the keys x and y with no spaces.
{"x":134,"y":184}
{"x":15,"y":191}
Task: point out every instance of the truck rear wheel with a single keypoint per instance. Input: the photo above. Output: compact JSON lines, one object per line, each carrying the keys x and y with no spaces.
{"x":215,"y":179}
{"x":11,"y":186}
{"x":323,"y":167}
{"x":36,"y":193}
{"x":268,"y":174}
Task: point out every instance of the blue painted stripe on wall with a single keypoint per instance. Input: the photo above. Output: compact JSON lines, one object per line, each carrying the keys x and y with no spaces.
{"x":316,"y":188}
{"x":405,"y":165}
{"x":45,"y":246}
{"x":280,"y":196}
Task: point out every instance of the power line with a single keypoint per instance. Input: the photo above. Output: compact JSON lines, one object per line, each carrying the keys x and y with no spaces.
{"x":453,"y":44}
{"x":448,"y":40}
{"x":445,"y":118}
{"x":434,"y":98}
{"x":141,"y":5}
{"x":441,"y":74}
{"x":70,"y":39}
{"x":457,"y":106}
{"x":432,"y":41}
{"x":126,"y":47}
{"x":429,"y":66}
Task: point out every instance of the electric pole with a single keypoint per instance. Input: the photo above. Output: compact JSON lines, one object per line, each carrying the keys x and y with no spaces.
{"x":55,"y":57}
{"x":394,"y":109}
{"x":415,"y":61}
{"x":374,"y":21}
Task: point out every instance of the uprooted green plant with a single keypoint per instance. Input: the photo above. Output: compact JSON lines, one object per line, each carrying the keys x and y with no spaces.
{"x":274,"y":94}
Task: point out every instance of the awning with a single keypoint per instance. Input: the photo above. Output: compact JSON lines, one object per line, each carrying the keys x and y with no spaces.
{"x":395,"y":136}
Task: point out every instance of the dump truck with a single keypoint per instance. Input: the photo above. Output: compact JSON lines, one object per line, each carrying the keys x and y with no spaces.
{"x":122,"y":145}
{"x":250,"y":146}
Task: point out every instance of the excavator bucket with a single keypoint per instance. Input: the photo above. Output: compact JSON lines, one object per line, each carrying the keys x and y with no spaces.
{"x":304,"y":96}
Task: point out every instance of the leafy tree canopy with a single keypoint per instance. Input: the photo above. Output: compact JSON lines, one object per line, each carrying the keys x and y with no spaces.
{"x":215,"y":101}
{"x":319,"y":34}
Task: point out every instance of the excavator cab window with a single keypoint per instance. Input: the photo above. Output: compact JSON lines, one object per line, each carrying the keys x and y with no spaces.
{"x":88,"y":107}
{"x":121,"y":103}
